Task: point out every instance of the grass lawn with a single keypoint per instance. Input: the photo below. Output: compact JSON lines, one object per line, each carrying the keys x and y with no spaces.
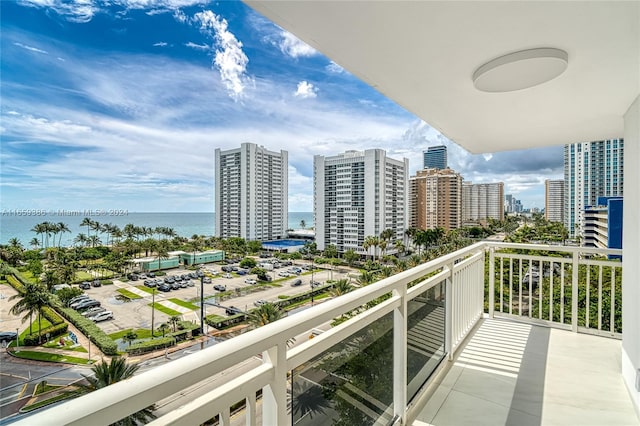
{"x":165,"y":310}
{"x":128,"y":294}
{"x":143,"y":333}
{"x":46,"y":402}
{"x":184,"y":304}
{"x":147,"y":289}
{"x":83,"y":276}
{"x":43,"y":356}
{"x":43,"y":387}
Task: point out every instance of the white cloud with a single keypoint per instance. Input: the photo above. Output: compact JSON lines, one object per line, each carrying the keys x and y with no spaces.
{"x":292,"y":46}
{"x":334,"y":68}
{"x":31,"y":48}
{"x":73,"y":10}
{"x":306,"y":90}
{"x":230,"y":60}
{"x":197,"y":46}
{"x":160,"y":44}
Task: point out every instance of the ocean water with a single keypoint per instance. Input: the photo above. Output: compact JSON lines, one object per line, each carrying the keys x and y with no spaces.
{"x":19,"y":224}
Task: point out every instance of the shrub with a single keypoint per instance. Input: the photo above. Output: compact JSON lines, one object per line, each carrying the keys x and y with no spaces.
{"x":151,"y":345}
{"x":15,"y":283}
{"x":90,"y":329}
{"x":51,"y":316}
{"x":220,"y":322}
{"x":53,"y":331}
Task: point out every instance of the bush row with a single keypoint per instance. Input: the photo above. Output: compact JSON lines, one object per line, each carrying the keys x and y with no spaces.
{"x":53,"y":331}
{"x":15,"y":283}
{"x":151,"y":345}
{"x":91,"y":330}
{"x":51,"y":316}
{"x":220,"y":322}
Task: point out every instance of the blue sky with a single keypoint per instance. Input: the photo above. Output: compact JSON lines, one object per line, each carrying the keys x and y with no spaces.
{"x":120,"y":104}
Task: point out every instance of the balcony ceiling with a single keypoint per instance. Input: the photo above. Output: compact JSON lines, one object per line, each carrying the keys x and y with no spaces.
{"x":423,"y":54}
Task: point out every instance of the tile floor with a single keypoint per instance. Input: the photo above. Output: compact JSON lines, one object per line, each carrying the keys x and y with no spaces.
{"x":511,"y":373}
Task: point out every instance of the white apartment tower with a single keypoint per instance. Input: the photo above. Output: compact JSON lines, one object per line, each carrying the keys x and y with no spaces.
{"x":251,"y":193}
{"x":359,"y":194}
{"x":591,"y":170}
{"x":482,"y":201}
{"x":554,"y":200}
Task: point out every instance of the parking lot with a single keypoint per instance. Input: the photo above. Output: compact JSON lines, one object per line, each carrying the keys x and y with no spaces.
{"x":137,"y":313}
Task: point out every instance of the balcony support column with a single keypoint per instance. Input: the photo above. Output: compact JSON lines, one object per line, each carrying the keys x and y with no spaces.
{"x":574,"y":290}
{"x":274,"y":396}
{"x":448,"y":314}
{"x":400,"y":356}
{"x":492,"y":281}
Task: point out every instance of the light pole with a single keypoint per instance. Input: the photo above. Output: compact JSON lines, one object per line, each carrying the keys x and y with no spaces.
{"x":17,"y":340}
{"x":89,"y":336}
{"x":312,"y":281}
{"x":153,"y":308}
{"x":202,"y":305}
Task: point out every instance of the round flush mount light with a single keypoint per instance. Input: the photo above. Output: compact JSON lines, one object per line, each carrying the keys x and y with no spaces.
{"x":520,"y":70}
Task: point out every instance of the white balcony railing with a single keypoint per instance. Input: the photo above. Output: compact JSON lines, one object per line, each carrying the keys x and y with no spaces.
{"x":370,"y":368}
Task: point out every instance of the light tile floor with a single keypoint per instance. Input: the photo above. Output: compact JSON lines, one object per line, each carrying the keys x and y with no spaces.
{"x":511,"y":373}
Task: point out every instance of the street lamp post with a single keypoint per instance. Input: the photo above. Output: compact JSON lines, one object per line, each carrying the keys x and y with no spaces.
{"x":202,"y":305}
{"x":312,"y":281}
{"x":153,"y":308}
{"x":17,"y":339}
{"x":89,"y":336}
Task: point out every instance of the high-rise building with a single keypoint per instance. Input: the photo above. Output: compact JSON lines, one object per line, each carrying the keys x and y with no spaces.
{"x":435,"y":157}
{"x":359,"y":194}
{"x":591,"y":170}
{"x":603,"y":223}
{"x":251,"y":193}
{"x":554,"y":200}
{"x":435,"y":199}
{"x":482,"y":201}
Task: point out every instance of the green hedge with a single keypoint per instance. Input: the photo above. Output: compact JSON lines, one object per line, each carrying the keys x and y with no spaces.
{"x":51,"y":316}
{"x":220,"y":322}
{"x":151,"y":345}
{"x":89,"y":328}
{"x":54,"y":330}
{"x":15,"y":283}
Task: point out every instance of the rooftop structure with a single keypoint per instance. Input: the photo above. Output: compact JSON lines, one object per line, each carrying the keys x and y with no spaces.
{"x":603,"y":223}
{"x":435,"y":157}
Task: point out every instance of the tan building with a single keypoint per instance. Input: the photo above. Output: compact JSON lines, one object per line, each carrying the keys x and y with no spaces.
{"x":481,"y":201}
{"x":435,"y":199}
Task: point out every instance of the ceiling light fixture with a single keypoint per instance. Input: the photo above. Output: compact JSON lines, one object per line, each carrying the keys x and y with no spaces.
{"x":520,"y":70}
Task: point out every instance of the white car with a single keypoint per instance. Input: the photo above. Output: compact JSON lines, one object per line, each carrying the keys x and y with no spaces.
{"x":102,"y":316}
{"x":93,"y":311}
{"x":283,"y":274}
{"x":250,"y":281}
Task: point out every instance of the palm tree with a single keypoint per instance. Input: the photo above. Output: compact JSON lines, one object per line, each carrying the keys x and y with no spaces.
{"x":80,"y":239}
{"x":370,"y":241}
{"x":174,"y":321}
{"x":62,"y":228}
{"x":39,"y":229}
{"x":265,"y":314}
{"x":341,"y":287}
{"x":164,"y":327}
{"x":94,"y":240}
{"x":105,"y":374}
{"x":303,"y":224}
{"x":130,"y":336}
{"x":34,"y":298}
{"x":162,"y":251}
{"x":88,"y":223}
{"x":34,"y":243}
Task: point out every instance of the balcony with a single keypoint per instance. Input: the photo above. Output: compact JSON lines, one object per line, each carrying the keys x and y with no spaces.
{"x":493,"y":333}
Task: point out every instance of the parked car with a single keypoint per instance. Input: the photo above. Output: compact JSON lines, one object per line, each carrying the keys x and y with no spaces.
{"x":260,"y":302}
{"x":102,"y":316}
{"x":242,"y":272}
{"x":85,"y":285}
{"x":250,"y":281}
{"x":227,"y":269}
{"x":142,"y":276}
{"x":190,"y":283}
{"x":220,"y":287}
{"x":193,"y":275}
{"x":315,"y":284}
{"x":164,"y":287}
{"x":232,"y":310}
{"x":283,"y":274}
{"x":184,"y":284}
{"x":133,"y":277}
{"x":93,"y":311}
{"x":86,"y":304}
{"x":200,"y":274}
{"x":296,"y":283}
{"x":96,"y":283}
{"x":151,"y":275}
{"x":8,"y":336}
{"x":150,"y":283}
{"x":228,"y":275}
{"x":175,"y":285}
{"x":177,"y":278}
{"x":75,"y":302}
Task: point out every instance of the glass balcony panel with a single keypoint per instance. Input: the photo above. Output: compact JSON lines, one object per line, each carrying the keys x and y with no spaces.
{"x":425,"y":336}
{"x":351,"y":383}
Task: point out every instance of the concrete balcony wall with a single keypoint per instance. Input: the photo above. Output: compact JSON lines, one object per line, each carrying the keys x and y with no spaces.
{"x":428,"y":311}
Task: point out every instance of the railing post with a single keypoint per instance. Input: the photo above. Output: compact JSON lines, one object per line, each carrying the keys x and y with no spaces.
{"x":274,"y":395}
{"x":574,"y":291}
{"x":492,"y":281}
{"x":448,"y":321}
{"x":400,"y":356}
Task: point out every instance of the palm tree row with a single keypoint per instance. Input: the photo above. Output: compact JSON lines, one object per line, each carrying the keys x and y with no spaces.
{"x":46,"y":229}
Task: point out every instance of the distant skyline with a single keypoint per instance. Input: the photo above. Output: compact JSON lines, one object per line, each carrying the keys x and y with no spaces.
{"x":120,"y":104}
